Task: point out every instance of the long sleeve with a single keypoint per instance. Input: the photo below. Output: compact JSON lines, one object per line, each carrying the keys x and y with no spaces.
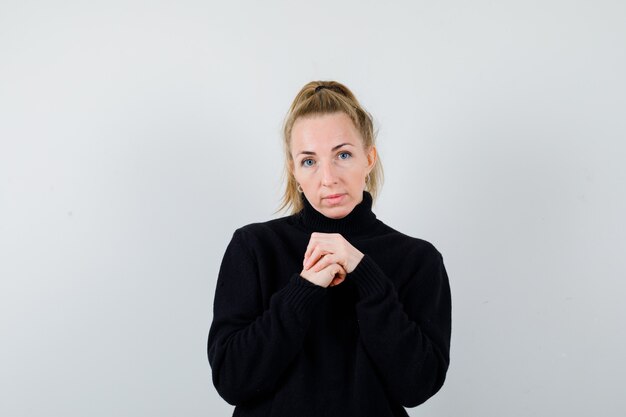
{"x":249,"y":346}
{"x":406,"y":332}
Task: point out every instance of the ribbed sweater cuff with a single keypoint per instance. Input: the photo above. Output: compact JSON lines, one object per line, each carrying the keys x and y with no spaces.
{"x":368,"y":277}
{"x":302,"y":295}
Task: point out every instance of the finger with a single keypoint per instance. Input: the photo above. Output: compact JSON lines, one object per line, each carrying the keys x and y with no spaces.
{"x":337,"y":280}
{"x":322,"y":247}
{"x":324,"y":240}
{"x":337,"y":270}
{"x":314,"y":257}
{"x":324,"y":262}
{"x":327,"y":259}
{"x":306,"y":263}
{"x":312,"y":244}
{"x":330,"y":272}
{"x":309,"y":251}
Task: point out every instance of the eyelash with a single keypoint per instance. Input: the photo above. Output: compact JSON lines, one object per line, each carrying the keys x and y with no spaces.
{"x":348,"y":154}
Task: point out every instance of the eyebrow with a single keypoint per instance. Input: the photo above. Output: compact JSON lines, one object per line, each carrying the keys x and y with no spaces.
{"x":333,"y":149}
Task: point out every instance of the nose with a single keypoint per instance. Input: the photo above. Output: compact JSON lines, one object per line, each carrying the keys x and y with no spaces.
{"x":329,"y":176}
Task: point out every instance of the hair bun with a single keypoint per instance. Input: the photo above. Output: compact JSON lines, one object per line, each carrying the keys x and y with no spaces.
{"x":334,"y":88}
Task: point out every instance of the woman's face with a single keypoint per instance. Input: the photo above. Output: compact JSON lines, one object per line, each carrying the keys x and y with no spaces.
{"x":330,"y":162}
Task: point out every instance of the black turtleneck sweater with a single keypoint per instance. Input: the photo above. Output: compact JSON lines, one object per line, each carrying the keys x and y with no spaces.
{"x":370,"y":346}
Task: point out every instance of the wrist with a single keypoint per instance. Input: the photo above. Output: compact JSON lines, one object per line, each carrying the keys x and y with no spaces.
{"x":356,"y":261}
{"x":311,"y":278}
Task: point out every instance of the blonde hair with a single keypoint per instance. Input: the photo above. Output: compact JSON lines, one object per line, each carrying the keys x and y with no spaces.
{"x":326,"y":97}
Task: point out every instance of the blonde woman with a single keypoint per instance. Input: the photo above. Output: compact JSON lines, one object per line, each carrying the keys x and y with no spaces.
{"x":328,"y":311}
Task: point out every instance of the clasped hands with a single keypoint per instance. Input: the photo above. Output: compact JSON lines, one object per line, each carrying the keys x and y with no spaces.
{"x":329,"y":257}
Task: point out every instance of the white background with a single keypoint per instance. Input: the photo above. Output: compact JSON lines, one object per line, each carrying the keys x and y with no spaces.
{"x":136,"y":136}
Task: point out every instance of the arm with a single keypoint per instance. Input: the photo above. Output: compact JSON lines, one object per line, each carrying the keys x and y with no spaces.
{"x":407,"y":337}
{"x":250,"y":347}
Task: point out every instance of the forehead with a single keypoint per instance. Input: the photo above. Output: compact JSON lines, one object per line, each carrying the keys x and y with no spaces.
{"x":322,"y":132}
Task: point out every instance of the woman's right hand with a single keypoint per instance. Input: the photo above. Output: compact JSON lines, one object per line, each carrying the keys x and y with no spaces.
{"x":330,"y":276}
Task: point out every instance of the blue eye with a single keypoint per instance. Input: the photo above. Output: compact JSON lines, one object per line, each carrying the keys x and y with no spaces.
{"x":345,"y":155}
{"x":307,"y":163}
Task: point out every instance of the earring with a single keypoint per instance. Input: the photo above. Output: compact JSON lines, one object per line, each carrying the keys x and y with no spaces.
{"x":367,"y":179}
{"x":299,"y":189}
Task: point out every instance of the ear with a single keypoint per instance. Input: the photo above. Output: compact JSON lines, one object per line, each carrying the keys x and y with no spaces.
{"x":372,"y":156}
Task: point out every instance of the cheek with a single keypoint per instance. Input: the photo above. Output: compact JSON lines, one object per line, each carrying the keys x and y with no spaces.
{"x":301,"y":176}
{"x":358,"y":176}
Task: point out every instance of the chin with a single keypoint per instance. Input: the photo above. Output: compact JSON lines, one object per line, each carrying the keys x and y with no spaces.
{"x":336,"y":212}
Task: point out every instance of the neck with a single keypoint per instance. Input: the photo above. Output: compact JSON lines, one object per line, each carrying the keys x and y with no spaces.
{"x":360,"y":218}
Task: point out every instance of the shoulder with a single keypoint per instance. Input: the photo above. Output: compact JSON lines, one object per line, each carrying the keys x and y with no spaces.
{"x":420,"y":262}
{"x":270,"y":236}
{"x":262,"y":229}
{"x":259,"y":237}
{"x":409,"y":245}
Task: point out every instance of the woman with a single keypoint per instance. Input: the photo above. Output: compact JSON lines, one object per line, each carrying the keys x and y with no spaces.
{"x":329,"y":312}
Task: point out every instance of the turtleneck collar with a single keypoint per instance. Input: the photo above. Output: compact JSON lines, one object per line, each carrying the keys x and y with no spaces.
{"x":359,"y":219}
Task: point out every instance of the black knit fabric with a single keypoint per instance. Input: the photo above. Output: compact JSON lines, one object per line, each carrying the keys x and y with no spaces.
{"x":370,"y":346}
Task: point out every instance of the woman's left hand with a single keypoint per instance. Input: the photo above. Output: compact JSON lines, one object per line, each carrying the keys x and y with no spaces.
{"x":327,"y":248}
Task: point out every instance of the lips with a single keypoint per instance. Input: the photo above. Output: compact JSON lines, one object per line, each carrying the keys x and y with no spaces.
{"x":334,"y":198}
